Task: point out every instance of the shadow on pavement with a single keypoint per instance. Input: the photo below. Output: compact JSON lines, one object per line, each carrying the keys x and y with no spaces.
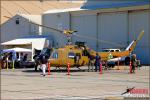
{"x":54,"y":70}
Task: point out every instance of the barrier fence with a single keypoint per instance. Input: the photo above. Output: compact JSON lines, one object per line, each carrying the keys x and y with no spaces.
{"x":127,"y":69}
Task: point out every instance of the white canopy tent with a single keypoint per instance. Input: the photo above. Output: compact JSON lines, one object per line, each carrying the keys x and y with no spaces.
{"x":19,"y":49}
{"x":16,"y":50}
{"x":36,"y":43}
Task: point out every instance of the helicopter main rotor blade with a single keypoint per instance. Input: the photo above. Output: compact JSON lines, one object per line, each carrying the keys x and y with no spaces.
{"x":48,"y":27}
{"x":92,"y":38}
{"x":102,"y":41}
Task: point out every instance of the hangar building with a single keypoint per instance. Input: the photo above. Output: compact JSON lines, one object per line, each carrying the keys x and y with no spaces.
{"x":113,"y":24}
{"x":17,"y":17}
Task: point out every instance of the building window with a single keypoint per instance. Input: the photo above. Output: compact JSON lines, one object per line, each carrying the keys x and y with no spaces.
{"x":17,"y":21}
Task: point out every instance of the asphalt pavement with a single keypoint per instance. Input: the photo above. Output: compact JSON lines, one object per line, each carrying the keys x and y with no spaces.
{"x":80,"y":84}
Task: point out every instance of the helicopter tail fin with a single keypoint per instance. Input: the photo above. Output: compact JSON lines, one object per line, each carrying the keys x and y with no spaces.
{"x":132,"y":45}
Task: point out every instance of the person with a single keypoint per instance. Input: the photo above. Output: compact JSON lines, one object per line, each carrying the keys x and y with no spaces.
{"x":97,"y":62}
{"x":17,"y":55}
{"x":133,"y":63}
{"x":10,"y":56}
{"x":138,"y":64}
{"x":10,"y":59}
{"x":77,"y":58}
{"x":21,"y":57}
{"x":43,"y":62}
{"x":25,"y":57}
{"x":4,"y":61}
{"x":90,"y":64}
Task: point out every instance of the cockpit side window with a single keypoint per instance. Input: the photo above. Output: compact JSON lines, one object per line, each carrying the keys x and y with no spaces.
{"x":105,"y":50}
{"x":71,"y":55}
{"x":117,"y":51}
{"x":55,"y":55}
{"x":111,"y":50}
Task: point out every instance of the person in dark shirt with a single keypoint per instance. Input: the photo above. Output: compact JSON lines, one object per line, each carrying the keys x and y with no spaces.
{"x":25,"y":57}
{"x":97,"y":62}
{"x":10,"y":56}
{"x":21,"y":57}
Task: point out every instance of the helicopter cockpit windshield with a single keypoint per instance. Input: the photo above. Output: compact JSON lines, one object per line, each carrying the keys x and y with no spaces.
{"x":46,"y":51}
{"x":54,"y":55}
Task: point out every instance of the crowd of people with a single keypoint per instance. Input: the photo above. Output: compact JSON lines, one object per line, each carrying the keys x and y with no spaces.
{"x":93,"y":61}
{"x":8,"y":58}
{"x":96,"y":61}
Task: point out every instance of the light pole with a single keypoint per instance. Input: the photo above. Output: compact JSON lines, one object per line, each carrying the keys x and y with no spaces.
{"x":40,"y":28}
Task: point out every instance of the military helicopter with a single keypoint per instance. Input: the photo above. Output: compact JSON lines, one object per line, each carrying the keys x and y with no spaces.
{"x":78,"y":55}
{"x":62,"y":56}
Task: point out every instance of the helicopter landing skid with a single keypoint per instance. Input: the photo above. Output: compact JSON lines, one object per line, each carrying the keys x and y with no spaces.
{"x":57,"y":68}
{"x":79,"y":68}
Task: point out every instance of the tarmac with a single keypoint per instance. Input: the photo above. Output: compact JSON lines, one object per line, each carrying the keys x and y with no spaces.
{"x":79,"y":85}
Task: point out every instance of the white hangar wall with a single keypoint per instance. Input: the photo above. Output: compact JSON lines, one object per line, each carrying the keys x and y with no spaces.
{"x":140,"y":20}
{"x":113,"y":28}
{"x":58,"y":21}
{"x":100,"y":29}
{"x":85,"y":24}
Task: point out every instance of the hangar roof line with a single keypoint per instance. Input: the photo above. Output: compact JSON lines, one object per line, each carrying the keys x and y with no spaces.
{"x":34,"y":18}
{"x":63,"y":10}
{"x":10,"y":8}
{"x":104,"y":5}
{"x":101,"y":5}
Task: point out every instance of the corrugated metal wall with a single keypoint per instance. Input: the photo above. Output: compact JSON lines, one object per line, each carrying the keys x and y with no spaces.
{"x":112,"y":26}
{"x":58,"y":21}
{"x":85,"y":25}
{"x":109,"y":29}
{"x":140,"y":20}
{"x":114,"y":30}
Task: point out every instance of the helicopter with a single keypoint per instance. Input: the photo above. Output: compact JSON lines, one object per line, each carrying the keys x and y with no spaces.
{"x":78,"y":55}
{"x":68,"y":54}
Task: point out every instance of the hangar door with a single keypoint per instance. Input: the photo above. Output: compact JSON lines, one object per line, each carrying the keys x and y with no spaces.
{"x":86,"y":27}
{"x":140,"y":20}
{"x":112,"y":30}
